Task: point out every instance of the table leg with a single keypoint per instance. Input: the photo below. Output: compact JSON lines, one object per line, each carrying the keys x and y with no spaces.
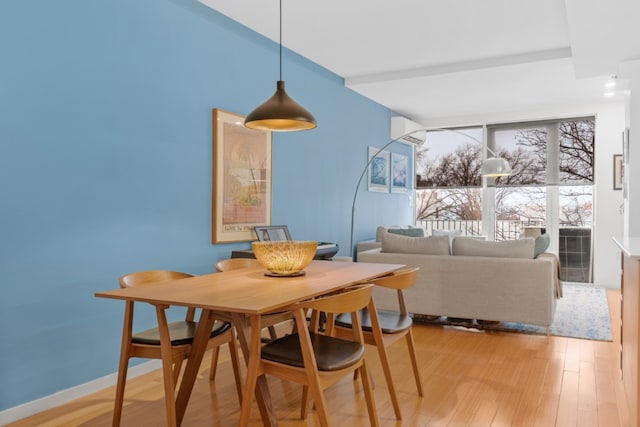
{"x":198,"y":348}
{"x":167,"y":366}
{"x":249,"y":337}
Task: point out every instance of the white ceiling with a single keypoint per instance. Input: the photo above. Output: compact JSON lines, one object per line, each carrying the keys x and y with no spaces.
{"x":434,"y":59}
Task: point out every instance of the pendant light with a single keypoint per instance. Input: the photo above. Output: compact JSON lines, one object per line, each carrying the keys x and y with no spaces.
{"x":280,"y":113}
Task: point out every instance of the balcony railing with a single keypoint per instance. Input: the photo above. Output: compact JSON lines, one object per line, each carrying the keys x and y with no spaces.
{"x":505,"y":230}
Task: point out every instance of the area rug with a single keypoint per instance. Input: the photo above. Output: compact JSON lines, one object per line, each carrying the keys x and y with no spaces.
{"x":583,"y":312}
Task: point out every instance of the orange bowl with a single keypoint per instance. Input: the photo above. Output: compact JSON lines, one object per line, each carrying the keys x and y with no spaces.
{"x":285,"y":257}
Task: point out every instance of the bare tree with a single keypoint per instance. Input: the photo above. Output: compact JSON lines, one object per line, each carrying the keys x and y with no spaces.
{"x":577,"y":209}
{"x":460,"y":168}
{"x":448,"y":185}
{"x":451,"y":204}
{"x":577,"y":142}
{"x":526,"y":168}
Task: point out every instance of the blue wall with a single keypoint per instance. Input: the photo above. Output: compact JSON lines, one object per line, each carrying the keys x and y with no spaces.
{"x":105,"y":126}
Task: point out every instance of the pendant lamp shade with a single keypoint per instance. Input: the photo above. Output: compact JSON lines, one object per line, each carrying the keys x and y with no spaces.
{"x":280,"y":113}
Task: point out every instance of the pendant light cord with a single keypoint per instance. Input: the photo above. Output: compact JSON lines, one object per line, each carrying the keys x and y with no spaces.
{"x":280,"y":39}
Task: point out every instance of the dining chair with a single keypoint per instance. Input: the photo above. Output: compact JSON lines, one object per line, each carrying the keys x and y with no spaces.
{"x":269,"y":320}
{"x":393,"y":325}
{"x":319,"y":360}
{"x":146,"y":344}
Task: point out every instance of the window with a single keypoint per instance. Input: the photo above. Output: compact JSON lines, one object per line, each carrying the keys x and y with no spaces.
{"x":448,"y":181}
{"x":550,"y":188}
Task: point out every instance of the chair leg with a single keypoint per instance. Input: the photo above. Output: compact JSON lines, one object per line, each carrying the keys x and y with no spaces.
{"x":319,"y":403}
{"x":368,"y":393}
{"x":177,"y":367}
{"x":215,"y":353}
{"x":373,"y":382}
{"x":386,"y":368}
{"x":304,"y":404}
{"x":272,"y":333}
{"x":253,"y":364}
{"x":378,"y":339}
{"x":311,"y":369}
{"x":414,"y":362}
{"x":235,"y":362}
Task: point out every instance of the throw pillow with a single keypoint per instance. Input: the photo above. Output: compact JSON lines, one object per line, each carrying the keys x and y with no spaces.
{"x":521,"y":248}
{"x":395,"y":243}
{"x":409,"y":232}
{"x":383,"y":229}
{"x":541,"y":244}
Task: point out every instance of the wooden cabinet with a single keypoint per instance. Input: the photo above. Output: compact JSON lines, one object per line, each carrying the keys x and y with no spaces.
{"x":629,"y":333}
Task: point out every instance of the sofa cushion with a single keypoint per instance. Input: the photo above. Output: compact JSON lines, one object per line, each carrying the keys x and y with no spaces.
{"x":409,"y":232}
{"x":521,"y":248}
{"x":394,"y":243}
{"x":449,"y":233}
{"x":541,"y":244}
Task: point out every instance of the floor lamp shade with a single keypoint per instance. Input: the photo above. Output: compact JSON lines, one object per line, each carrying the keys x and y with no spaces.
{"x":496,"y":166}
{"x":280,"y":113}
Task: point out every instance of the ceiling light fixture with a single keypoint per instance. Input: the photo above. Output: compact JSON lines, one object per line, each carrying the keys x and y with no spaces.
{"x":280,"y":113}
{"x":611,"y":83}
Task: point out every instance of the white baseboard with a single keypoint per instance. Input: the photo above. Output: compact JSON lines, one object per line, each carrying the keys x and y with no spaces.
{"x":61,"y":397}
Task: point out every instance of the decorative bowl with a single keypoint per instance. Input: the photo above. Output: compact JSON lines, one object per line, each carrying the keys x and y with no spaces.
{"x":285,"y":257}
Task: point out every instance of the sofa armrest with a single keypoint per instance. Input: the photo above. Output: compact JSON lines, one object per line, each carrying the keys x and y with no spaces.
{"x":367,"y":245}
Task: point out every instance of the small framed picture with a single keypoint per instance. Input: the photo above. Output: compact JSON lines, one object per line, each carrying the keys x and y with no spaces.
{"x":378,"y":170}
{"x":267,"y":233}
{"x":618,"y":171}
{"x":399,"y":173}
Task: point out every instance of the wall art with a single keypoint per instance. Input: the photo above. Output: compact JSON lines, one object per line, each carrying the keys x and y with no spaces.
{"x":378,"y":170}
{"x":241,"y":179}
{"x":399,"y":173}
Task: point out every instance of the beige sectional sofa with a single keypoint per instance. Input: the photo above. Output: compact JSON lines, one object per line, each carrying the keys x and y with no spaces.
{"x":468,"y":278}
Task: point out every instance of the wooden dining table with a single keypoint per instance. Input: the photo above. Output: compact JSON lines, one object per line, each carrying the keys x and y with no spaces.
{"x":241,"y":296}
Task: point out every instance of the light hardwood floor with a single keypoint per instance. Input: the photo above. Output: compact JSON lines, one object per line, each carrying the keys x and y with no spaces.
{"x":472,"y":378}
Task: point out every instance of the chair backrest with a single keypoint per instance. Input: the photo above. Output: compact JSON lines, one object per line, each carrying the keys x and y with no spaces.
{"x":150,"y":276}
{"x":348,"y":300}
{"x":399,"y":279}
{"x":236,"y":263}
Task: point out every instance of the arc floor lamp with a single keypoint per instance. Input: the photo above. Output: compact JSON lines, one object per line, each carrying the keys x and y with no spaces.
{"x":493,"y":166}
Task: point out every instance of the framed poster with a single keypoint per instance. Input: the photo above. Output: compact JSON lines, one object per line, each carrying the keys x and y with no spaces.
{"x":618,"y":171}
{"x":378,"y":170}
{"x":241,"y":179}
{"x":399,"y":173}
